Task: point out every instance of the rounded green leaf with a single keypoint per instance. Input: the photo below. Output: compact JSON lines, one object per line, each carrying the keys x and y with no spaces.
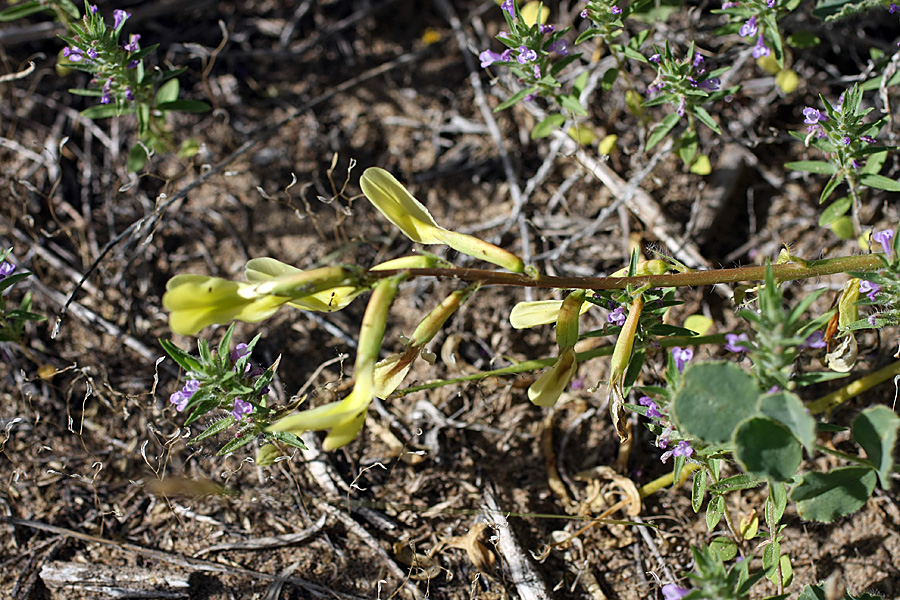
{"x":766,"y":448}
{"x":713,"y":399}
{"x":723,"y":547}
{"x":788,"y":409}
{"x":876,"y":431}
{"x":825,"y":497}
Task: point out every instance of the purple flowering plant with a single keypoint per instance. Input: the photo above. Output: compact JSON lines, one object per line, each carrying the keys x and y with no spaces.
{"x":853,"y":155}
{"x":757,"y":22}
{"x":120,"y":80}
{"x":225,"y":383}
{"x":536,"y":54}
{"x":14,"y":319}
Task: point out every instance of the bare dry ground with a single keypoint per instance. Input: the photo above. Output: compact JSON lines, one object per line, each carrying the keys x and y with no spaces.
{"x":95,"y":467}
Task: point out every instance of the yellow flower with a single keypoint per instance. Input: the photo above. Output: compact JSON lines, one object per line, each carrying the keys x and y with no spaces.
{"x":552,"y":383}
{"x":197,"y":301}
{"x":400,"y":208}
{"x":540,"y":312}
{"x":265,"y":269}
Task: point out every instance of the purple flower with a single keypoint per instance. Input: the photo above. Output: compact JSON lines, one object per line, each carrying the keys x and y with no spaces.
{"x":711,"y":84}
{"x":6,"y":269}
{"x":181,"y":398}
{"x":239,"y":352}
{"x":561,"y":47}
{"x":770,"y":3}
{"x":73,"y":54}
{"x":682,"y":356}
{"x":867,"y":139}
{"x":652,"y":408}
{"x":733,"y":339}
{"x":93,"y":8}
{"x":815,"y":340}
{"x":615,"y":10}
{"x":869,"y":289}
{"x":840,"y":102}
{"x":683,"y":448}
{"x":240,"y":409}
{"x":681,"y":106}
{"x":884,"y":238}
{"x":893,"y":8}
{"x":670,"y":591}
{"x":871,"y":319}
{"x":526,"y":55}
{"x":655,"y":58}
{"x":652,"y":90}
{"x":663,"y":440}
{"x":698,"y":59}
{"x":726,"y":5}
{"x":128,"y":94}
{"x":119,"y":18}
{"x":816,"y":129}
{"x":489,"y":57}
{"x":616,"y":317}
{"x":133,"y":64}
{"x":537,"y":71}
{"x":846,"y":140}
{"x":132,"y":45}
{"x":760,"y":49}
{"x":856,"y":164}
{"x":584,"y":14}
{"x":748,"y":29}
{"x":546,"y":28}
{"x":813,"y":116}
{"x":92,"y":54}
{"x":529,"y":97}
{"x":510,"y":7}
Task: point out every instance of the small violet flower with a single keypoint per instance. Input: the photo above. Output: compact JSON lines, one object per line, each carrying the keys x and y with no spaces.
{"x":537,"y":71}
{"x":241,"y":408}
{"x":652,"y":408}
{"x":106,"y":97}
{"x":181,"y":398}
{"x":544,"y":29}
{"x":92,"y":54}
{"x":683,"y":448}
{"x":884,"y":238}
{"x":869,"y":289}
{"x":670,"y":591}
{"x":616,"y":317}
{"x":119,"y":18}
{"x":6,"y":269}
{"x":489,"y":57}
{"x":655,"y":58}
{"x":129,"y":95}
{"x":510,"y":7}
{"x":526,"y":55}
{"x":133,"y":45}
{"x":711,"y":84}
{"x":561,"y":47}
{"x":871,"y":319}
{"x":867,"y":139}
{"x":846,"y":140}
{"x":770,"y":3}
{"x":682,"y":356}
{"x":749,"y":29}
{"x":733,"y":339}
{"x":239,"y":352}
{"x":73,"y":54}
{"x":893,"y":8}
{"x":681,"y":106}
{"x":813,"y":116}
{"x":815,"y":340}
{"x":760,"y":49}
{"x":615,"y":10}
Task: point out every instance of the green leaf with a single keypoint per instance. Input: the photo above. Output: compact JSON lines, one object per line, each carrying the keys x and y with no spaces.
{"x":836,"y":209}
{"x":609,"y":78}
{"x":705,"y":118}
{"x":213,"y":429}
{"x":714,"y":511}
{"x":832,"y":184}
{"x":788,"y":409}
{"x":875,"y":429}
{"x":766,"y":448}
{"x":803,"y":39}
{"x":224,"y":348}
{"x":571,"y":104}
{"x":191,"y":106}
{"x":811,"y":166}
{"x":547,"y":126}
{"x":735,"y":483}
{"x":101,"y":111}
{"x":289,"y":438}
{"x":713,"y":399}
{"x":184,"y":360}
{"x":879,"y":181}
{"x":168,"y":92}
{"x":22,"y":10}
{"x":724,"y":548}
{"x":698,"y":490}
{"x":137,"y":158}
{"x":516,"y":98}
{"x":775,"y":504}
{"x":236,"y":443}
{"x":662,"y":130}
{"x":828,"y":496}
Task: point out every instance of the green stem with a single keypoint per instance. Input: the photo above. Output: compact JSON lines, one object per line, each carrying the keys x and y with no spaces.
{"x":782,"y":272}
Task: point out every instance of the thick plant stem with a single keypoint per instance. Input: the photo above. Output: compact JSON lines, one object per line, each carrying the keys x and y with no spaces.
{"x":834,"y":399}
{"x":782,"y":272}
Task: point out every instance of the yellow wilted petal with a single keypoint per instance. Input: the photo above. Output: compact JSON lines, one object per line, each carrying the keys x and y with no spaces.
{"x":701,"y":165}
{"x":345,"y":433}
{"x":787,"y":80}
{"x":399,"y":206}
{"x":197,"y":301}
{"x":265,"y":269}
{"x":390,"y":372}
{"x":699,"y":324}
{"x":552,"y":383}
{"x":532,"y":10}
{"x":407,"y":262}
{"x":608,"y":144}
{"x":540,"y":312}
{"x":769,"y":64}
